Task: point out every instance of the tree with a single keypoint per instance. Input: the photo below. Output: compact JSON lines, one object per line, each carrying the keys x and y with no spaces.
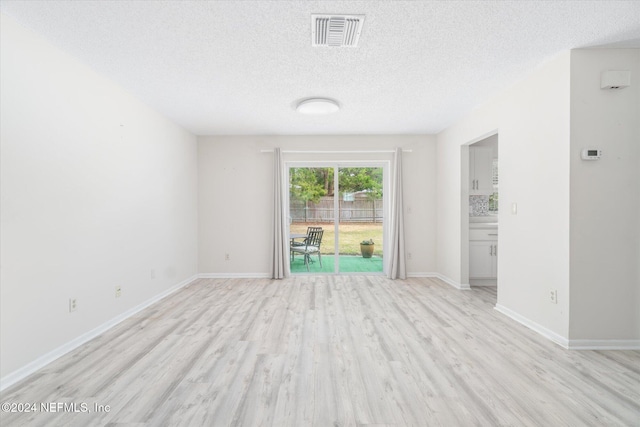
{"x":309,"y":184}
{"x":325,"y":176}
{"x":353,"y":180}
{"x":304,"y":185}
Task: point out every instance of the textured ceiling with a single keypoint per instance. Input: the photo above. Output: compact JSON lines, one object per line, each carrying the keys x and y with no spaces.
{"x":238,"y":67}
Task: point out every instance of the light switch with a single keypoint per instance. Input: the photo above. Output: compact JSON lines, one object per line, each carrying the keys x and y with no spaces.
{"x":514,"y":209}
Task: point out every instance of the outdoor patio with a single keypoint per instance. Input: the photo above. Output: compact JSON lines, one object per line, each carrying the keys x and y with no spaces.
{"x":348,"y":264}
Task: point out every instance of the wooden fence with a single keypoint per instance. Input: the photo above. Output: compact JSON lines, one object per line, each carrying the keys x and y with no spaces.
{"x":359,"y":210}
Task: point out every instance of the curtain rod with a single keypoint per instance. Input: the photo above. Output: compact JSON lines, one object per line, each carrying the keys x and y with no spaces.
{"x":334,"y":152}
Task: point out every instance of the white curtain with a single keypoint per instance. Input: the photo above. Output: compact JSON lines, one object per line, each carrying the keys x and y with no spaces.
{"x":397,"y":265}
{"x":280,"y":268}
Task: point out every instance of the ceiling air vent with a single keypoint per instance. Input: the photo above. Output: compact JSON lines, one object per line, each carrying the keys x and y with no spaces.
{"x":336,"y":30}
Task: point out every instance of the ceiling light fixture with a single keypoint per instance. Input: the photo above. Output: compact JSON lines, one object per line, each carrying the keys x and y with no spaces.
{"x":317,"y":106}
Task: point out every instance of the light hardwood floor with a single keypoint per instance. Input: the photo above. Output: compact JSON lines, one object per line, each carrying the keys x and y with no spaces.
{"x":331,"y":351}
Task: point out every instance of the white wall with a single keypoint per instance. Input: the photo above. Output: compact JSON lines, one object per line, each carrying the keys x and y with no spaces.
{"x":96,"y":191}
{"x":236,"y":191}
{"x":532,"y":119}
{"x":577,"y":228}
{"x":605,"y":198}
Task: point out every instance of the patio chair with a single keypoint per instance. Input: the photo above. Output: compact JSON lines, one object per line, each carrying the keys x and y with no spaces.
{"x":309,"y":230}
{"x":311,"y":246}
{"x":302,"y":243}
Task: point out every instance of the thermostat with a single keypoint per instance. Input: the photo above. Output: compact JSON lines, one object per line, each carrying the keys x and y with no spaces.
{"x":591,"y":154}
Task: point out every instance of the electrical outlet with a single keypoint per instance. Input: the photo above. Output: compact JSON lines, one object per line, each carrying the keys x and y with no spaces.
{"x":408,"y":255}
{"x":153,"y":273}
{"x":118,"y":291}
{"x":554,"y":296}
{"x":73,"y":304}
{"x":227,"y":257}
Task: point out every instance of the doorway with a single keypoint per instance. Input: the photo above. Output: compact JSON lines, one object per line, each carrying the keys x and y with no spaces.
{"x":480,"y":206}
{"x":347,"y":202}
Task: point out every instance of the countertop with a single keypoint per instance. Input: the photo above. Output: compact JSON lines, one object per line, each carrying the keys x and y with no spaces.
{"x":483,"y":225}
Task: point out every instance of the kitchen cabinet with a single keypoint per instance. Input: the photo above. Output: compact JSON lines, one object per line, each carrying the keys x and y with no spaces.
{"x":480,"y":170}
{"x":483,"y":259}
{"x":483,"y":254}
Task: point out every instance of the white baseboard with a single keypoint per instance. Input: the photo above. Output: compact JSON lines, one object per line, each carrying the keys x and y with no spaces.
{"x":49,"y":357}
{"x":567,"y":343}
{"x":604,"y":344}
{"x":547,"y":333}
{"x":483,"y":282}
{"x":234,"y":276}
{"x":445,"y":279}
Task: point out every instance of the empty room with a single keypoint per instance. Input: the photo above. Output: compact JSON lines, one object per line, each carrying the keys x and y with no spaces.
{"x":319,"y":213}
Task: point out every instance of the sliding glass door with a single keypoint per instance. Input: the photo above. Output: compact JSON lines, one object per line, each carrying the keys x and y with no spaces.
{"x":361,"y":219}
{"x":345,"y":203}
{"x":311,"y":207}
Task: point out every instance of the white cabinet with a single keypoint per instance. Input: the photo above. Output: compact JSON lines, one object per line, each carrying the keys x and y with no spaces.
{"x":480,"y":170}
{"x":483,"y":253}
{"x":483,"y":259}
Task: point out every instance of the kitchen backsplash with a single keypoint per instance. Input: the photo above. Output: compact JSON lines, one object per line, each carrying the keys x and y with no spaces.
{"x":478,"y":205}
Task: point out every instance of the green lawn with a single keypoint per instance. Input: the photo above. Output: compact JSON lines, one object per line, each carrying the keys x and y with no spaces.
{"x":351,"y":234}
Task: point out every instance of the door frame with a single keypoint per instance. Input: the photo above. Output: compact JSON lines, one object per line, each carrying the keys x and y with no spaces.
{"x":464,"y":207}
{"x":337,"y":164}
